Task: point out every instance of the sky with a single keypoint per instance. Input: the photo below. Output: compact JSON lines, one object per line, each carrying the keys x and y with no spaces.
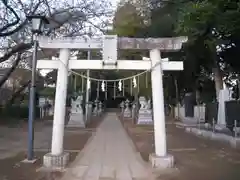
{"x":114,"y":2}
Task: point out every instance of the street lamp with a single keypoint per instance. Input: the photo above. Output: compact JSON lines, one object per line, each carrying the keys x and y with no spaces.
{"x":37,"y":28}
{"x":37,"y":23}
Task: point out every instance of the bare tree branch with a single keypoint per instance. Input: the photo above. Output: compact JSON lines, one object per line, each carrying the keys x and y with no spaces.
{"x":16,"y":49}
{"x":5,"y":3}
{"x":18,"y":92}
{"x":10,"y":71}
{"x":14,"y":23}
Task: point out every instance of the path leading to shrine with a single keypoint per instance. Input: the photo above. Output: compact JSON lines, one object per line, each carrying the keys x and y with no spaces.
{"x":110,"y":154}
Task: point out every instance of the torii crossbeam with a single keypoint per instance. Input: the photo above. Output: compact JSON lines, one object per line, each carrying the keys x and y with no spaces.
{"x":109,"y":45}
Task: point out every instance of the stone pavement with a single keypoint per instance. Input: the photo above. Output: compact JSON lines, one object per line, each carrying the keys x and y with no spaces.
{"x":109,"y":155}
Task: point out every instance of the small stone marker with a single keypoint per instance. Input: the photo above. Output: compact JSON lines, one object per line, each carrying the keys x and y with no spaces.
{"x":144,"y":114}
{"x":127,"y":111}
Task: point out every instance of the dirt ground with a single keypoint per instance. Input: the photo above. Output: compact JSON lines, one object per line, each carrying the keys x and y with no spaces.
{"x":196,"y":158}
{"x":14,"y":144}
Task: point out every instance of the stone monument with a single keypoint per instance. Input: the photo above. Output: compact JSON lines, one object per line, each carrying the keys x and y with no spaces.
{"x":76,"y":114}
{"x":144,"y":114}
{"x":224,"y":95}
{"x":149,"y":104}
{"x":127,"y":111}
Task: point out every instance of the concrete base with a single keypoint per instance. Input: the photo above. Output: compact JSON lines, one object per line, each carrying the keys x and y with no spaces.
{"x":145,"y":117}
{"x":95,"y":112}
{"x":161,"y":162}
{"x":76,"y":120}
{"x":53,"y":162}
{"x":29,"y":161}
{"x":184,"y":125}
{"x":127,"y":113}
{"x":234,"y":142}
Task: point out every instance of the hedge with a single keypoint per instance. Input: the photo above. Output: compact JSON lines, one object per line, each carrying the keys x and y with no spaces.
{"x":17,"y":111}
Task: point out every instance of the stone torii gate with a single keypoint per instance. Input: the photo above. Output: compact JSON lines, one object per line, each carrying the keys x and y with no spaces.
{"x":109,"y":44}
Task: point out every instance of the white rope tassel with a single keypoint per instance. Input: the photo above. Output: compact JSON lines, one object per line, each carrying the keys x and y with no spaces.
{"x":103,"y":86}
{"x":134,"y":82}
{"x":88,"y":84}
{"x":120,"y":85}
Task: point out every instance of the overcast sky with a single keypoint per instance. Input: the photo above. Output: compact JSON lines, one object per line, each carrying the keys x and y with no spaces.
{"x":114,"y":2}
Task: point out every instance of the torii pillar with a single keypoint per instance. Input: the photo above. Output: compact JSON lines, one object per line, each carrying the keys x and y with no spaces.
{"x":160,"y":159}
{"x":57,"y":158}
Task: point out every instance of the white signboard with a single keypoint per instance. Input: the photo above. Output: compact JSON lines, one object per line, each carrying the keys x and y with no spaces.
{"x":42,"y":101}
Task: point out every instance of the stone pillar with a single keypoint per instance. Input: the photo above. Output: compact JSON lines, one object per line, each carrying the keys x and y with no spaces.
{"x":95,"y":110}
{"x":89,"y":106}
{"x":122,"y":108}
{"x":160,"y":159}
{"x":100,"y":109}
{"x":133,"y":112}
{"x":57,"y":158}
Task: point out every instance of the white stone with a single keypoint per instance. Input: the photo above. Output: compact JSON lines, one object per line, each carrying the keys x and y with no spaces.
{"x":161,"y":162}
{"x":127,"y":112}
{"x":199,"y":114}
{"x":144,"y":113}
{"x":55,"y":162}
{"x":224,"y":95}
{"x":207,"y":125}
{"x":76,"y":114}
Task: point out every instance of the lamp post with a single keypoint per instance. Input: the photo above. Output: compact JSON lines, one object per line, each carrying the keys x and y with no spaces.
{"x":37,"y":28}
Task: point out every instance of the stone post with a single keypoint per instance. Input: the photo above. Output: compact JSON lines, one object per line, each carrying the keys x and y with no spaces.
{"x":57,"y":158}
{"x":160,"y":159}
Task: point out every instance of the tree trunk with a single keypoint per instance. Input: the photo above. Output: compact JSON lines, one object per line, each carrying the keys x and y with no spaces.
{"x":10,"y":71}
{"x":18,"y":92}
{"x":198,"y":96}
{"x":218,"y":79}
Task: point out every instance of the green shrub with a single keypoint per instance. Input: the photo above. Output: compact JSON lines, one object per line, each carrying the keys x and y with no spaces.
{"x":17,"y":111}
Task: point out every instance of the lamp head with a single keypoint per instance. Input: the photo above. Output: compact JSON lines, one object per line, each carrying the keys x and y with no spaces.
{"x":38,"y":22}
